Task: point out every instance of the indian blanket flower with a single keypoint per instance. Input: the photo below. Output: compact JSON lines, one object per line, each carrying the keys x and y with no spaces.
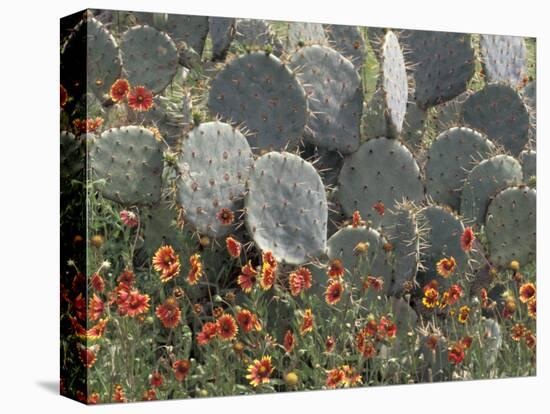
{"x":226,"y":327}
{"x":98,"y":330}
{"x":195,"y":272}
{"x":140,"y":99}
{"x":247,"y":279}
{"x":335,"y":377}
{"x":84,"y":126}
{"x":119,"y":90}
{"x":527,"y":291}
{"x":129,"y":218}
{"x":119,"y":396}
{"x":169,"y":313}
{"x":289,"y":341}
{"x":467,"y":342}
{"x":446,"y":266}
{"x":233,"y":247}
{"x":386,"y":328}
{"x":530,"y":340}
{"x":259,"y":372}
{"x":431,"y":298}
{"x":379,"y":208}
{"x":207,"y":333}
{"x":181,"y":368}
{"x":167,"y":263}
{"x":455,"y":353}
{"x":135,"y":304}
{"x":299,"y":280}
{"x":87,"y":355}
{"x":463,"y":314}
{"x":376,"y":283}
{"x":268,"y":272}
{"x":307,"y":322}
{"x":335,"y":269}
{"x":334,"y":292}
{"x":467,"y":239}
{"x":127,"y":277}
{"x":149,"y":395}
{"x":518,"y":331}
{"x":248,"y":321}
{"x":64,"y":96}
{"x":79,"y":307}
{"x":356,"y":219}
{"x":156,"y":379}
{"x":95,"y":308}
{"x":225,"y":216}
{"x":351,"y":378}
{"x":330,"y":342}
{"x":532,"y":308}
{"x":97,"y":282}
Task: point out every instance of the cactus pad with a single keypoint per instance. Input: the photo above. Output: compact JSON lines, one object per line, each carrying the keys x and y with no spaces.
{"x":258,"y":90}
{"x":222,"y":32}
{"x":300,"y":34}
{"x":528,"y":160}
{"x":504,"y":58}
{"x":498,"y":111}
{"x":286,"y":208}
{"x":452,"y":155}
{"x":334,"y":95}
{"x":213,"y":165}
{"x":382,"y":170}
{"x":256,"y":34}
{"x":129,"y":159}
{"x":511,"y":226}
{"x":484,"y":181}
{"x":349,"y":41}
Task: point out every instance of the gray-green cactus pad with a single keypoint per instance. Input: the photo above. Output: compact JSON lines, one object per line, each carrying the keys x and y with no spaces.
{"x":484,"y":181}
{"x":92,"y":43}
{"x":349,"y":41}
{"x":222,"y":32}
{"x":189,"y":29}
{"x":511,"y":226}
{"x":442,"y":62}
{"x":214,"y":165}
{"x":443,"y":231}
{"x":259,"y":90}
{"x":530,"y":94}
{"x":335,"y":97}
{"x":381,"y":170}
{"x":452,"y":155}
{"x":394,"y":82}
{"x":257,"y":34}
{"x":504,"y":58}
{"x":286,"y":208}
{"x":129,"y":160}
{"x":449,"y":114}
{"x":498,"y":111}
{"x":375,"y":36}
{"x":374,"y":116}
{"x":159,"y":228}
{"x":300,"y":34}
{"x":414,"y":125}
{"x":528,"y":160}
{"x":150,"y":57}
{"x":72,"y":159}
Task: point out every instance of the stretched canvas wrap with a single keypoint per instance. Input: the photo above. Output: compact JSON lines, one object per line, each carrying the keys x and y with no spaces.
{"x":252,"y":206}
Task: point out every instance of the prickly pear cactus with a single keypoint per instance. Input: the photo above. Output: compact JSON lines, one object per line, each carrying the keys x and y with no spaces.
{"x":498,"y":111}
{"x":394,"y":83}
{"x":150,"y":57}
{"x":504,"y":58}
{"x":449,"y":114}
{"x":528,"y":160}
{"x":92,"y":43}
{"x":256,"y":34}
{"x":222,"y":33}
{"x":189,"y":29}
{"x":435,"y":365}
{"x":335,"y":97}
{"x":443,"y":231}
{"x":511,"y":225}
{"x":160,"y":228}
{"x":452,"y":155}
{"x":484,"y":181}
{"x":259,"y":90}
{"x":286,"y":208}
{"x":442,"y":62}
{"x":129,"y":161}
{"x":347,"y":40}
{"x":305,"y":34}
{"x":375,"y":36}
{"x":414,"y":125}
{"x":381,"y":173}
{"x":213,"y":167}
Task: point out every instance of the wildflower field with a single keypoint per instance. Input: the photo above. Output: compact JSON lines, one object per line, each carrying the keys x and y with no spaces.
{"x":254,"y":207}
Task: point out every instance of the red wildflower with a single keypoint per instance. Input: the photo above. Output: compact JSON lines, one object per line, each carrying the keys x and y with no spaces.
{"x":225,"y":216}
{"x":149,"y":395}
{"x":518,"y":331}
{"x":97,"y":282}
{"x":87,"y":356}
{"x":467,"y":239}
{"x":446,"y":267}
{"x":335,"y":269}
{"x":455,"y":353}
{"x":329,"y":343}
{"x":430,"y":299}
{"x":307,"y":322}
{"x":259,"y":371}
{"x":127,"y":277}
{"x":334,"y":292}
{"x":379,"y":207}
{"x":527,"y":291}
{"x":181,"y":368}
{"x":207,"y":333}
{"x":64,"y":96}
{"x":79,"y":307}
{"x":248,"y":321}
{"x":356,"y":220}
{"x":119,"y":90}
{"x":118,"y":394}
{"x":195,"y":272}
{"x":156,"y":379}
{"x":169,"y":313}
{"x":226,"y":327}
{"x":532,"y":308}
{"x":335,"y":377}
{"x":84,"y":126}
{"x":247,"y":278}
{"x":289,"y":341}
{"x":233,"y":247}
{"x":167,"y":263}
{"x":299,"y":280}
{"x":96,"y":308}
{"x":377,"y":283}
{"x":140,"y":99}
{"x":135,"y":304}
{"x":129,"y":218}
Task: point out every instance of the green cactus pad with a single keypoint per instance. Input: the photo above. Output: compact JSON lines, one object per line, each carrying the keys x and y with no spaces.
{"x":150,"y":57}
{"x":414,"y":125}
{"x":511,"y":226}
{"x":484,"y":181}
{"x":129,"y":160}
{"x":374,"y":118}
{"x":259,"y":90}
{"x":449,"y":114}
{"x":394,"y":83}
{"x":452,"y":155}
{"x":443,"y":231}
{"x":504,"y":58}
{"x":334,"y":95}
{"x":300,"y":34}
{"x":222,"y":33}
{"x":498,"y":111}
{"x":528,"y":160}
{"x":214,"y":165}
{"x":348,"y":41}
{"x":256,"y":34}
{"x":159,"y":228}
{"x":375,"y":37}
{"x":189,"y":29}
{"x":92,"y":43}
{"x":381,"y":170}
{"x":442,"y":62}
{"x":286,"y":208}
